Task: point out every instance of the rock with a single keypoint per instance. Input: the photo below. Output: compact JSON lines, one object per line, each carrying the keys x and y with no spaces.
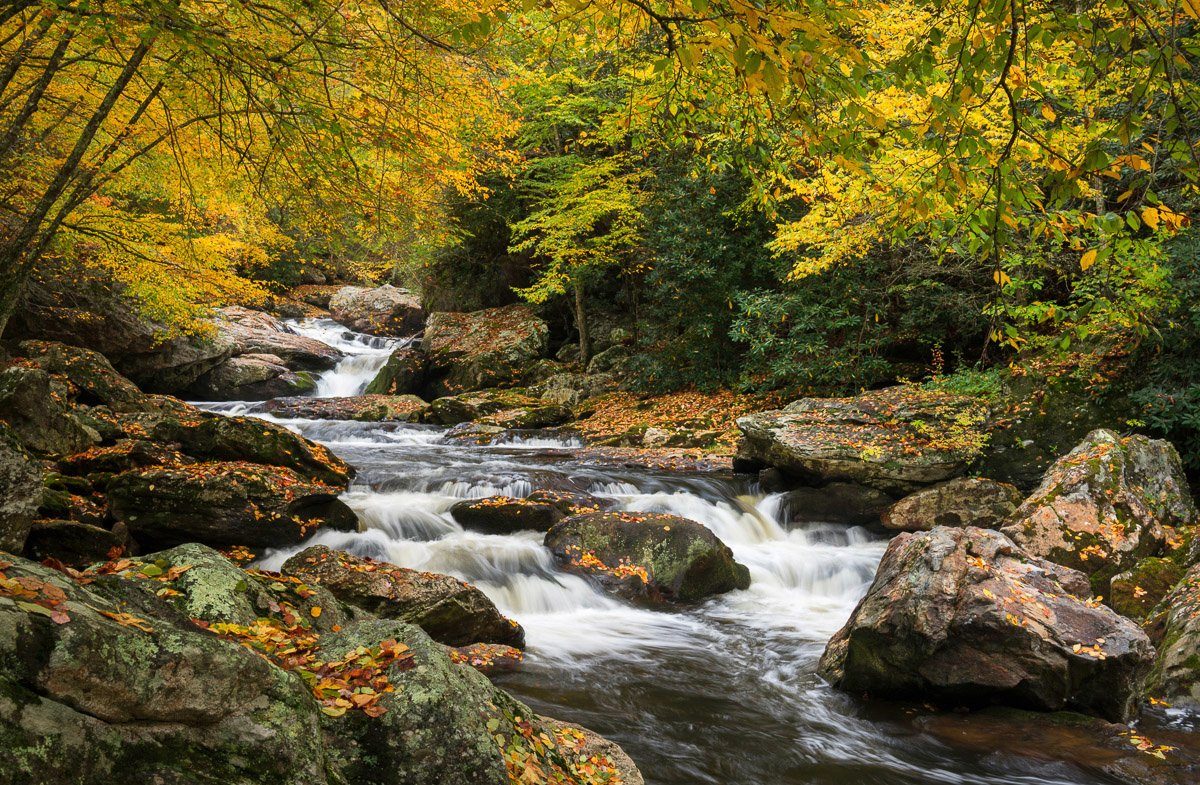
{"x":364,"y":408}
{"x":92,"y":376}
{"x":316,"y":295}
{"x":481,"y":349}
{"x":962,"y":615}
{"x":34,"y":407}
{"x":571,"y":389}
{"x":502,"y":408}
{"x":251,"y":377}
{"x":487,"y":658}
{"x":589,"y":743}
{"x":969,"y":501}
{"x":122,"y":456}
{"x":384,"y":310}
{"x":256,"y":332}
{"x":647,"y":556}
{"x":614,"y":360}
{"x":20,"y":492}
{"x":1175,"y":677}
{"x":450,"y":611}
{"x":73,"y":543}
{"x":404,"y":372}
{"x":474,"y":433}
{"x":225,"y":503}
{"x":1135,"y":592}
{"x":536,"y":512}
{"x":1103,"y":506}
{"x":837,"y":502}
{"x":896,"y":440}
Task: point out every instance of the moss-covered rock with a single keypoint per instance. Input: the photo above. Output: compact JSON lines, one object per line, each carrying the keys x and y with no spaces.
{"x":363,"y":408}
{"x":403,"y":373}
{"x":74,"y":543}
{"x":500,"y":408}
{"x":482,"y":349}
{"x":1103,"y":506}
{"x":224,"y":503}
{"x":536,"y":512}
{"x":38,"y":413}
{"x":251,"y":377}
{"x":449,"y":610}
{"x":20,"y":492}
{"x":1136,"y":592}
{"x":1176,"y":674}
{"x":647,"y":556}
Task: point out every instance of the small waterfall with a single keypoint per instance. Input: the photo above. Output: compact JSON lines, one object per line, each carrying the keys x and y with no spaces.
{"x":364,"y":356}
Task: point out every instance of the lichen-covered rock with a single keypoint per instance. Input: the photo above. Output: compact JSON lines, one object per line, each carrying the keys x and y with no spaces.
{"x":1175,"y":677}
{"x":591,"y":743}
{"x":481,"y":349}
{"x":536,"y":512}
{"x":404,"y":372}
{"x":384,"y":310}
{"x":647,"y":556}
{"x":896,"y":440}
{"x":1135,"y":592}
{"x":969,"y":501}
{"x":474,"y":433}
{"x":501,"y":408}
{"x":1103,"y":506}
{"x":487,"y":658}
{"x":964,"y":616}
{"x":224,"y":503}
{"x":449,"y":610}
{"x":38,"y":414}
{"x":837,"y":502}
{"x":251,"y":377}
{"x":363,"y":408}
{"x":571,"y":389}
{"x":20,"y":492}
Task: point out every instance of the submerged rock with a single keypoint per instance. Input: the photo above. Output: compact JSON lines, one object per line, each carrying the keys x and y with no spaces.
{"x":449,"y":610}
{"x":481,"y":349}
{"x":970,"y":501}
{"x":536,"y":512}
{"x":895,"y":440}
{"x":964,"y":616}
{"x":384,"y":310}
{"x":647,"y":556}
{"x":1103,"y":506}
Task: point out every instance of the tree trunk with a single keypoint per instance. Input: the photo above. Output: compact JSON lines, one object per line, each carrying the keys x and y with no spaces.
{"x":585,"y":338}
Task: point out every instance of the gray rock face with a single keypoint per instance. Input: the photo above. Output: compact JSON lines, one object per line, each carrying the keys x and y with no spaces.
{"x":1103,"y":506}
{"x":964,"y":616}
{"x":839,"y":502}
{"x":1176,"y":674}
{"x":482,"y":349}
{"x":895,"y":440}
{"x":257,"y":332}
{"x":252,"y":377}
{"x":20,"y":492}
{"x":35,"y":408}
{"x":970,"y":501}
{"x":384,"y":310}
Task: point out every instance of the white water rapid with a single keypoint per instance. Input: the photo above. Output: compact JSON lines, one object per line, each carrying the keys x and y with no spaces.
{"x":364,"y":356}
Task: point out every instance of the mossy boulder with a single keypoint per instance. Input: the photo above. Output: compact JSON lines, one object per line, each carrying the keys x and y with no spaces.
{"x":896,"y":440}
{"x":224,"y":503}
{"x":403,"y":373}
{"x":1176,"y":674}
{"x":382,"y":310}
{"x":962,"y":615}
{"x":74,"y":543}
{"x":92,"y":376}
{"x":251,"y":377}
{"x":536,"y":512}
{"x":363,"y":408}
{"x":482,"y":349}
{"x":451,"y":611}
{"x":647,"y":556}
{"x":1103,"y":506}
{"x":1135,"y":592}
{"x":20,"y":492}
{"x":968,"y":501}
{"x":501,"y":408}
{"x":37,"y":410}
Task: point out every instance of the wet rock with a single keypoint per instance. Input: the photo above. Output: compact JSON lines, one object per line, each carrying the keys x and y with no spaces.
{"x":487,"y":658}
{"x":1135,"y":592}
{"x":1176,"y":674}
{"x":647,"y":556}
{"x":501,"y":408}
{"x":970,"y":501}
{"x":384,"y":310}
{"x":450,"y":611}
{"x":536,"y":512}
{"x":74,"y":543}
{"x":588,"y":743}
{"x":481,"y":349}
{"x":837,"y":502}
{"x":258,"y":333}
{"x":895,"y":440}
{"x":363,"y":408}
{"x":225,"y":503}
{"x":39,"y":418}
{"x":20,"y":492}
{"x":1103,"y":506}
{"x":964,"y":616}
{"x":474,"y":433}
{"x":251,"y":377}
{"x":404,"y":372}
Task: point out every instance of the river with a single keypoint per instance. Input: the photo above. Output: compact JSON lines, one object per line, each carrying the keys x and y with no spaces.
{"x":724,"y":693}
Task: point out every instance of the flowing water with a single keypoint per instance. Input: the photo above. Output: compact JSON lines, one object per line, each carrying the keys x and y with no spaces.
{"x":364,"y":356}
{"x":724,"y":693}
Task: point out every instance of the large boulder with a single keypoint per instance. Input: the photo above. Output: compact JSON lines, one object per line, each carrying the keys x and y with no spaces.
{"x":481,"y":349}
{"x":962,"y":615}
{"x":1103,"y":506}
{"x":251,"y":377}
{"x":224,"y":503}
{"x":647,"y":556}
{"x":502,"y":408}
{"x":257,"y":332}
{"x":364,"y":408}
{"x":1175,"y":677}
{"x":968,"y":501}
{"x":896,"y":440}
{"x":90,"y":376}
{"x":450,"y":611}
{"x":35,"y":407}
{"x":404,"y":372}
{"x":837,"y":502}
{"x":536,"y":512}
{"x":384,"y":310}
{"x":20,"y":492}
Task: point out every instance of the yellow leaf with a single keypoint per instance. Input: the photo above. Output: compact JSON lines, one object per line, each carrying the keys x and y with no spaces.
{"x":1088,"y":259}
{"x":1192,"y":8}
{"x":1048,"y":113}
{"x":1001,"y":278}
{"x":316,"y":611}
{"x":1150,"y":217}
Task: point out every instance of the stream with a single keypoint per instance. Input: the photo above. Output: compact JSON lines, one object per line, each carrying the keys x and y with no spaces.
{"x":723,"y":693}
